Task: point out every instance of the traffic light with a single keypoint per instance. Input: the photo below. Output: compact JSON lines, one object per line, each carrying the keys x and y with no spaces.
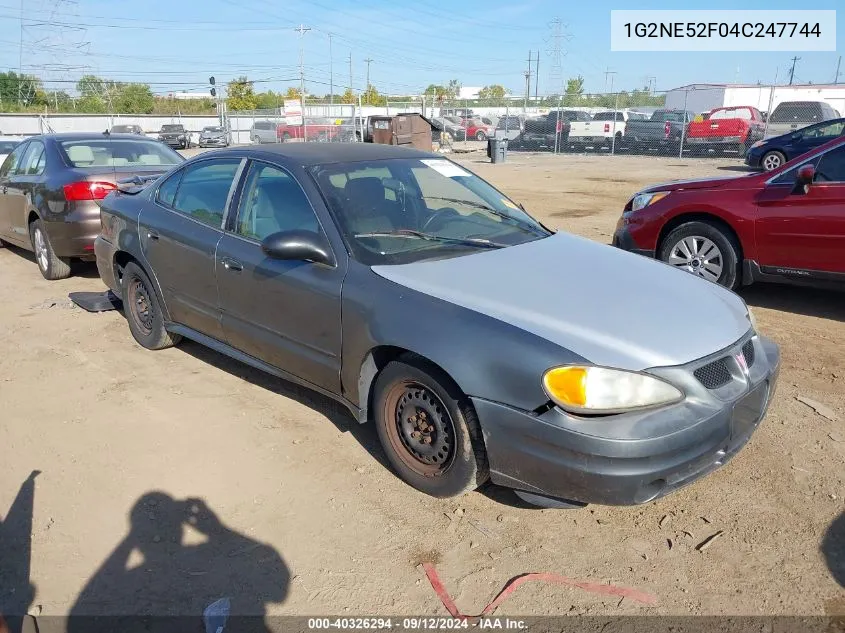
{"x":211,"y":80}
{"x":213,"y":91}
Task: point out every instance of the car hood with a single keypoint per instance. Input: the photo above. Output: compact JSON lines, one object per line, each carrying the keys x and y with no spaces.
{"x":609,"y":306}
{"x":693,"y":183}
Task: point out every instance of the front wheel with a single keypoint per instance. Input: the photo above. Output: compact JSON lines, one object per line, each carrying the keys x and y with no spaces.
{"x":52,"y":266}
{"x":772,"y":160}
{"x":705,"y":250}
{"x":480,"y":136}
{"x":142,"y":310}
{"x":428,"y":429}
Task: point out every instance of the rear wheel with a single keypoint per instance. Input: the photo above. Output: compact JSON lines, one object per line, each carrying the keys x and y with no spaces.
{"x":428,"y":429}
{"x":705,"y":250}
{"x":480,"y":136}
{"x":142,"y":310}
{"x":52,"y":267}
{"x":772,"y":160}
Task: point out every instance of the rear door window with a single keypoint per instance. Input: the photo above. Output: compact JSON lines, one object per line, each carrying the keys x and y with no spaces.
{"x":10,"y":165}
{"x":32,"y":163}
{"x":792,"y":112}
{"x":204,"y":190}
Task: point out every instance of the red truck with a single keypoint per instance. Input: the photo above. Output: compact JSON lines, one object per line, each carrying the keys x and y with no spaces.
{"x":476,"y":129}
{"x":734,"y":128}
{"x":316,"y":129}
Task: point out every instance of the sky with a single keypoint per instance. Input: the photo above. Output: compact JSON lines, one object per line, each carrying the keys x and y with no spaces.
{"x":176,"y":45}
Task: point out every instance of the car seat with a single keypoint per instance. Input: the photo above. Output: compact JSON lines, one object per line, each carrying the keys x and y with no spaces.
{"x":368,"y":209}
{"x":81,"y":155}
{"x":278,"y":205}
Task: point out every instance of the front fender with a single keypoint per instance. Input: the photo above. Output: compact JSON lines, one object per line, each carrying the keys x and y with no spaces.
{"x":487,"y":358}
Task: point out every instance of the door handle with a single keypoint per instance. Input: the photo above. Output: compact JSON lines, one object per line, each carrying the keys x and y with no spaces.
{"x":232,"y":264}
{"x":152,"y":235}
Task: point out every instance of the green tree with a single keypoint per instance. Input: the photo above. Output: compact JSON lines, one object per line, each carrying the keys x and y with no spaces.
{"x":133,"y":99}
{"x":493,"y":92}
{"x":19,"y":89}
{"x":269,"y":99}
{"x":371,"y":96}
{"x":453,"y":89}
{"x":241,"y":94}
{"x":348,"y":96}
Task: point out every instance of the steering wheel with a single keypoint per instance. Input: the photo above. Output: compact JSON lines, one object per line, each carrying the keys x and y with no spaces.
{"x":438,"y":217}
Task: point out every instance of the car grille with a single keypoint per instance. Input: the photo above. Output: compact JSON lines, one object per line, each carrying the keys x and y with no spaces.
{"x":748,"y":353}
{"x":714,"y":375}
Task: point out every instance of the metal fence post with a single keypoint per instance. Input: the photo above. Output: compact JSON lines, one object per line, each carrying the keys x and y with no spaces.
{"x":557,"y":125}
{"x":683,"y":125}
{"x":613,"y":129}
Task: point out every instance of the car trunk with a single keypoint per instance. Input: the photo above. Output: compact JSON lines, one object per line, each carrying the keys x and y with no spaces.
{"x":112,"y":175}
{"x":718,"y":128}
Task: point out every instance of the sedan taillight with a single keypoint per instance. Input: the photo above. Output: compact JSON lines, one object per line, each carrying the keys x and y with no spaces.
{"x":84,"y":190}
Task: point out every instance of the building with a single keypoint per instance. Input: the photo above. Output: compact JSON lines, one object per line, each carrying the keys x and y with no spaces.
{"x":704,"y":97}
{"x":189,"y":95}
{"x":469,"y":92}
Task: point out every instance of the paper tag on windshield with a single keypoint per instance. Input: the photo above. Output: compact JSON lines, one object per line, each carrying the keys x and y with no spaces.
{"x":445,"y":167}
{"x":508,"y":203}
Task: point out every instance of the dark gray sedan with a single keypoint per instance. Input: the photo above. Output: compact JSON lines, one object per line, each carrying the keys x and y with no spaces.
{"x":482,"y":345}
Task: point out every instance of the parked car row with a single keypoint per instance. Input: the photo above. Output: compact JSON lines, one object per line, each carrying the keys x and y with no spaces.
{"x":327,"y":266}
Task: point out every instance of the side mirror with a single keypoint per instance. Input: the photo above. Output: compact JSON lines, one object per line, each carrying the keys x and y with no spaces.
{"x":805,"y":175}
{"x":298,"y":245}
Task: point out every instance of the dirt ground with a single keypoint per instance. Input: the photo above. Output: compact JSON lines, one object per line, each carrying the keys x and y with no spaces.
{"x":107,"y":422}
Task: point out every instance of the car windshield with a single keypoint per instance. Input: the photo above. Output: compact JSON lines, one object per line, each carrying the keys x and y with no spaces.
{"x":172,"y":128}
{"x":122,"y":128}
{"x":399,"y":211}
{"x":118,"y":153}
{"x":212,"y":129}
{"x":662,"y":115}
{"x":796,"y":111}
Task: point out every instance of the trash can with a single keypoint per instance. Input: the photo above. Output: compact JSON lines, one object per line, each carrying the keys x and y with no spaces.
{"x":497,"y":149}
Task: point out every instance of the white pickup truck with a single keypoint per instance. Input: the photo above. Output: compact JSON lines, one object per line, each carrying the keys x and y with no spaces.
{"x":600,"y":130}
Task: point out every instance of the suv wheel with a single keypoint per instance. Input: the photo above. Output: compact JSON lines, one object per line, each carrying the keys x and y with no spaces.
{"x":705,"y":250}
{"x":480,"y":136}
{"x":142,"y":310}
{"x":51,"y":266}
{"x":428,"y":429}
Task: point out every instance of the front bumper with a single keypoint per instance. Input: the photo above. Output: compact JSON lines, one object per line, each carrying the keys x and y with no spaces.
{"x":631,"y":458}
{"x":622,"y":239}
{"x":752,"y":158}
{"x":174,"y":142}
{"x":212,"y":142}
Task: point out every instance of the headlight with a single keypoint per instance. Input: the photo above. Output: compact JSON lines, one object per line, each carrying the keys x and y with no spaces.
{"x":757,"y":144}
{"x":642,"y":200}
{"x":588,"y":389}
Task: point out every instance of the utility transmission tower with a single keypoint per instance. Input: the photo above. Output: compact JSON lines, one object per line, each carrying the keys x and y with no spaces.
{"x":555,"y":51}
{"x":368,"y":61}
{"x":609,"y":73}
{"x":838,"y":64}
{"x":331,"y":73}
{"x":792,"y":70}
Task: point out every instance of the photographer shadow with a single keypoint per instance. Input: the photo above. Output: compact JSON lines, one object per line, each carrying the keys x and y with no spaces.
{"x":178,"y":559}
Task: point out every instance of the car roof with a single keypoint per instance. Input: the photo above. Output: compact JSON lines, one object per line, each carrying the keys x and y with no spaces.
{"x":85,"y":136}
{"x":325,"y":153}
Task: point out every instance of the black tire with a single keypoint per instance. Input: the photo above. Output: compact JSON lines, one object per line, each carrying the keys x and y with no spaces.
{"x":412,"y":396}
{"x":286,"y":136}
{"x":480,"y":136}
{"x":775,"y":160}
{"x":142,"y":310}
{"x":52,"y":267}
{"x":730,"y":276}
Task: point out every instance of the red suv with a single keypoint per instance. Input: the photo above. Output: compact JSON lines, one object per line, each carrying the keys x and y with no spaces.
{"x":786,"y":225}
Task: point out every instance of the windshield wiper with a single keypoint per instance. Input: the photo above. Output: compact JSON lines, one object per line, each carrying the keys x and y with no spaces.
{"x":501,"y":214}
{"x":469,"y":241}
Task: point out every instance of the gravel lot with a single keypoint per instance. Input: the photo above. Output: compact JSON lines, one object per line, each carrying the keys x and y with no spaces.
{"x":311,"y":520}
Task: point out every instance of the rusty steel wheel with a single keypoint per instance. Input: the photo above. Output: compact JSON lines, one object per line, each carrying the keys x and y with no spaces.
{"x":428,"y":429}
{"x":422,"y":432}
{"x":142,"y":310}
